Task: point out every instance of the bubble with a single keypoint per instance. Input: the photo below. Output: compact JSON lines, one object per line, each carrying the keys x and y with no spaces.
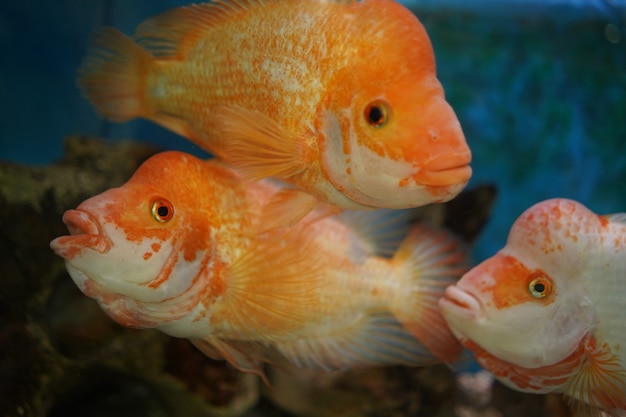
{"x":612,"y":33}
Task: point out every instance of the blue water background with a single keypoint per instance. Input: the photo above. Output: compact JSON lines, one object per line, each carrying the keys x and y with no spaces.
{"x":539,"y":88}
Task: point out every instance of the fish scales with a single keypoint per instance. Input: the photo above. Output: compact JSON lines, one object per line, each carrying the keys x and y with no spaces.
{"x":240,"y":63}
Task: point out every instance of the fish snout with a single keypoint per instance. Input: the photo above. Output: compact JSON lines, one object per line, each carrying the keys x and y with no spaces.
{"x":85,"y":233}
{"x":440,"y":147}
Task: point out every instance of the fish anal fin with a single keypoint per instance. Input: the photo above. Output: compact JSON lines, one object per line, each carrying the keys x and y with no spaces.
{"x":271,"y":289}
{"x":433,"y":259}
{"x":600,"y":380}
{"x":373,"y":339}
{"x":581,"y":409}
{"x":383,"y":229}
{"x":256,"y":145}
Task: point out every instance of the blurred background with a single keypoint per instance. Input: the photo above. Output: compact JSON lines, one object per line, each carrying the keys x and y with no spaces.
{"x":538,"y":85}
{"x":539,"y":88}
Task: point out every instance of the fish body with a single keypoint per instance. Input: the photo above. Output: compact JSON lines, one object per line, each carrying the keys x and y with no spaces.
{"x":546,"y":313}
{"x":339,"y":98}
{"x":180,"y":248}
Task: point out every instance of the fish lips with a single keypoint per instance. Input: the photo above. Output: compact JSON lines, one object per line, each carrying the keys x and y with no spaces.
{"x":439,"y":180}
{"x":459,"y":306}
{"x":86,"y":232}
{"x":446,"y":170}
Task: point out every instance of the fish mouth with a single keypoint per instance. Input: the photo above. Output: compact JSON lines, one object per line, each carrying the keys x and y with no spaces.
{"x":85,"y":233}
{"x":459,"y":300}
{"x":446,"y":170}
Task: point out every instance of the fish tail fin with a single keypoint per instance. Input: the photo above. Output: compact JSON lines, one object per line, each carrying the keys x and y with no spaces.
{"x":113,"y":76}
{"x":432,"y":260}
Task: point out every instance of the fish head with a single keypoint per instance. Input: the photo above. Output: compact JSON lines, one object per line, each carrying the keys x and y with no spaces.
{"x":391,"y":138}
{"x":528,"y":305}
{"x":143,"y":244}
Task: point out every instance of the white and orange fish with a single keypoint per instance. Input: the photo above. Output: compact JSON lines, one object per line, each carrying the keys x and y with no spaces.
{"x":547,"y":313}
{"x":177,"y":248}
{"x":338,"y":97}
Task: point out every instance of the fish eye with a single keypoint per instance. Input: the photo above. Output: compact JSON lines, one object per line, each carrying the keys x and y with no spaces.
{"x":539,"y":286}
{"x":377,"y":114}
{"x":162,"y":210}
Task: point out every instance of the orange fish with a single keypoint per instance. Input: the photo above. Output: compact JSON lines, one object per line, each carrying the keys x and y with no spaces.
{"x":176,"y":248}
{"x":339,"y":98}
{"x":546,"y":313}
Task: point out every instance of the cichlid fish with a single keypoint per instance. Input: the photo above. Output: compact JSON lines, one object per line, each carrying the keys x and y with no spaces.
{"x":339,"y":98}
{"x":546,"y":313}
{"x":176,"y":248}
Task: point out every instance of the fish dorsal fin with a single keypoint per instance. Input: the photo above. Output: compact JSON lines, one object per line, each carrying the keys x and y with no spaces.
{"x":382,"y":229}
{"x":616,"y":218}
{"x":269,"y":290}
{"x":372,"y":339}
{"x":600,"y":381}
{"x":171,"y":33}
{"x":256,"y":145}
{"x":339,"y":1}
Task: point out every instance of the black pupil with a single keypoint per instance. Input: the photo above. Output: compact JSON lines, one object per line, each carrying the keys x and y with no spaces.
{"x":539,"y":287}
{"x":376,"y":115}
{"x":163,"y":211}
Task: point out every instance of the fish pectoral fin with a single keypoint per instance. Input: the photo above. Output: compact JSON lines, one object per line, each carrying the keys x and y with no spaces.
{"x":271,"y":289}
{"x":372,"y":339}
{"x":601,"y":380}
{"x":246,"y":357}
{"x":289,"y":205}
{"x":256,"y":145}
{"x":286,"y":208}
{"x":433,"y":259}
